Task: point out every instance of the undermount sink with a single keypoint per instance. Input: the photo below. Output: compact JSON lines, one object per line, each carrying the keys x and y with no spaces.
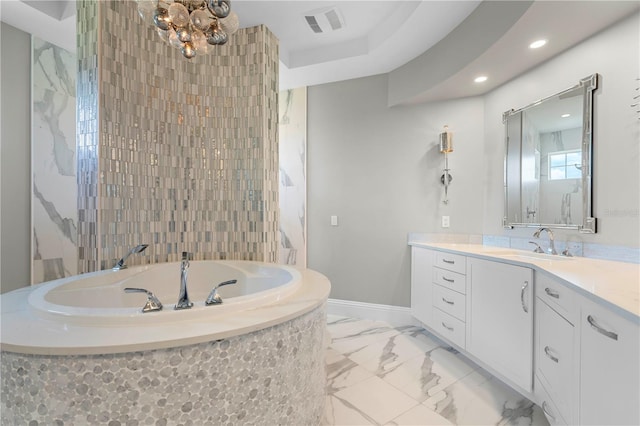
{"x":524,"y":255}
{"x":537,"y":256}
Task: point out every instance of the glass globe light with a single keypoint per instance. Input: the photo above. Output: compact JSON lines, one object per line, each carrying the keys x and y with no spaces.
{"x":230,"y":24}
{"x":200,"y":19}
{"x":161,"y":18}
{"x":187,"y":50}
{"x":183,"y":34}
{"x":179,"y":14}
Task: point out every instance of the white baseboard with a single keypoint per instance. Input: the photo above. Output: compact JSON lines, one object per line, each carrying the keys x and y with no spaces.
{"x":393,"y":315}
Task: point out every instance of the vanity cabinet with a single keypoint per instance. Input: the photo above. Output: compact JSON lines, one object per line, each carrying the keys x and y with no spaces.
{"x":422,"y":260}
{"x":609,"y":367}
{"x":500,"y":318}
{"x":581,"y":367}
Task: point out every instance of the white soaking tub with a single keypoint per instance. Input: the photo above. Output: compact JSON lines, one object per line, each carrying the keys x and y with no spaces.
{"x":80,"y":350}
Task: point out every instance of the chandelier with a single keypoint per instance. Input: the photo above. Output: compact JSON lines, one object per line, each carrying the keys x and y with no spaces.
{"x":192,"y":26}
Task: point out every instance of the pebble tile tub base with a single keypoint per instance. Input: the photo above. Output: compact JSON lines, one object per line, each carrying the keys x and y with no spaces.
{"x":271,"y":376}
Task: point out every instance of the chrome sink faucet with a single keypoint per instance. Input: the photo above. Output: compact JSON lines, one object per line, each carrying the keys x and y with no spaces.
{"x":552,"y":247}
{"x":183,"y":298}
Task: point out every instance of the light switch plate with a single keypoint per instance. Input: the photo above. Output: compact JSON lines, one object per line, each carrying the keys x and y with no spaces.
{"x":334,"y":220}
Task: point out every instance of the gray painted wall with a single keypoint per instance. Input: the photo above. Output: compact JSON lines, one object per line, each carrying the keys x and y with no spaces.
{"x":377,"y":168}
{"x":15,"y":156}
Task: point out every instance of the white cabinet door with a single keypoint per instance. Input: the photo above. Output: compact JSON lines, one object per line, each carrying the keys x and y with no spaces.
{"x":500,"y":318}
{"x":609,"y":367}
{"x":421,"y":284}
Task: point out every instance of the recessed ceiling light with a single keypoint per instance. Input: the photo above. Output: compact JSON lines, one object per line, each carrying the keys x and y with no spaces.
{"x":480,"y":79}
{"x":565,"y":115}
{"x":538,"y":43}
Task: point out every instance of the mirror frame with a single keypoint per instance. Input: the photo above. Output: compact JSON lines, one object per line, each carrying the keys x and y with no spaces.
{"x":588,"y":85}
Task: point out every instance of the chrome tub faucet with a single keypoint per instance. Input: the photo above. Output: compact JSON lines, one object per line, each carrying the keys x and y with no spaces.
{"x":120,"y":263}
{"x":552,"y":247}
{"x":183,"y":298}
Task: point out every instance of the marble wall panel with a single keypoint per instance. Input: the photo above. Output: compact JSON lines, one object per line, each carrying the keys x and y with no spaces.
{"x":181,"y":155}
{"x":293,"y":177}
{"x":53,"y":156}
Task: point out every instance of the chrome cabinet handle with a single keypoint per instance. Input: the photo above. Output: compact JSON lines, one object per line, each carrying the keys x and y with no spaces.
{"x":446,"y":326}
{"x":552,"y":293}
{"x":547,"y":352}
{"x":447,"y":301}
{"x":448,"y":280}
{"x":525,"y":308}
{"x":450,"y":262}
{"x":544,"y":408}
{"x":599,"y":329}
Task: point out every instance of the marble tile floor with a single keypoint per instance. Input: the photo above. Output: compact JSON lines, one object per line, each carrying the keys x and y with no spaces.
{"x":383,"y":375}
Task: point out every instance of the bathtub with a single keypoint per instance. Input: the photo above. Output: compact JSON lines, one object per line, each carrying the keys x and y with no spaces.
{"x":80,"y":350}
{"x":100,"y":299}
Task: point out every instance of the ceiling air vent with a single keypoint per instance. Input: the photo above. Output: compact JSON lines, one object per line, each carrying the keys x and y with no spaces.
{"x":324,"y":20}
{"x":313,"y":23}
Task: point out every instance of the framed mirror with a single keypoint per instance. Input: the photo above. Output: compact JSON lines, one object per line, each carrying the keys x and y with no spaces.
{"x":548,"y":161}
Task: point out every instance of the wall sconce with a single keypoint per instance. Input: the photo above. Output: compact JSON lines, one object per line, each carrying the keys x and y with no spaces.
{"x":446,"y":146}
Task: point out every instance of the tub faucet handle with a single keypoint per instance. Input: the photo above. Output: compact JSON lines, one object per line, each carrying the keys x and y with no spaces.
{"x":214,"y":298}
{"x":153,"y":304}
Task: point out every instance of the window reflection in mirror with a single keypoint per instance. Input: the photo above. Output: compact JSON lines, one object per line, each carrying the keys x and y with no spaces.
{"x":548,"y":161}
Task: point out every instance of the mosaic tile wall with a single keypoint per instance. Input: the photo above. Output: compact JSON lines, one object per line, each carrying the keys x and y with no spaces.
{"x":54,"y":250}
{"x":180,"y":155}
{"x":274,"y":376}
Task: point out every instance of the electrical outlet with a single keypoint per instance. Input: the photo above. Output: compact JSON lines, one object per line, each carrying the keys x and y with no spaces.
{"x":445,"y":221}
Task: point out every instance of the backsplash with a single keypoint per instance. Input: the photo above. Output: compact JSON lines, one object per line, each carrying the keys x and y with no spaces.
{"x":180,"y":155}
{"x":576,"y":248}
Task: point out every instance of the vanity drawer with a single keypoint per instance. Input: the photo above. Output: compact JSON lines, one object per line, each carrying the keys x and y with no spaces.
{"x":546,"y":403}
{"x":449,"y":301}
{"x":449,"y":327}
{"x":451,"y":262}
{"x":556,"y":295}
{"x":452,"y":280}
{"x":554,"y":357}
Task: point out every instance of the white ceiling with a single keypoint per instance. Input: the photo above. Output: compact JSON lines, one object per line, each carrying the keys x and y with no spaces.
{"x":396,"y":37}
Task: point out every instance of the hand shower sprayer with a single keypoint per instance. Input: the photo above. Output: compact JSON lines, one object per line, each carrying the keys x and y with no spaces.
{"x":120,"y":263}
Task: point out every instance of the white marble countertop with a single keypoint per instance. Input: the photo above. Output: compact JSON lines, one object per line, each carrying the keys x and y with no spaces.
{"x":24,"y":331}
{"x":616,"y":284}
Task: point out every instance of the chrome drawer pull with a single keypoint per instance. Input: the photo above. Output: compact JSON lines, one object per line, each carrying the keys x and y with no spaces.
{"x":524,"y":287}
{"x":447,"y":327}
{"x":599,"y":329}
{"x":552,"y":293}
{"x":544,"y":408}
{"x":446,"y":301}
{"x":450,"y":262}
{"x":547,"y":352}
{"x":448,"y":280}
